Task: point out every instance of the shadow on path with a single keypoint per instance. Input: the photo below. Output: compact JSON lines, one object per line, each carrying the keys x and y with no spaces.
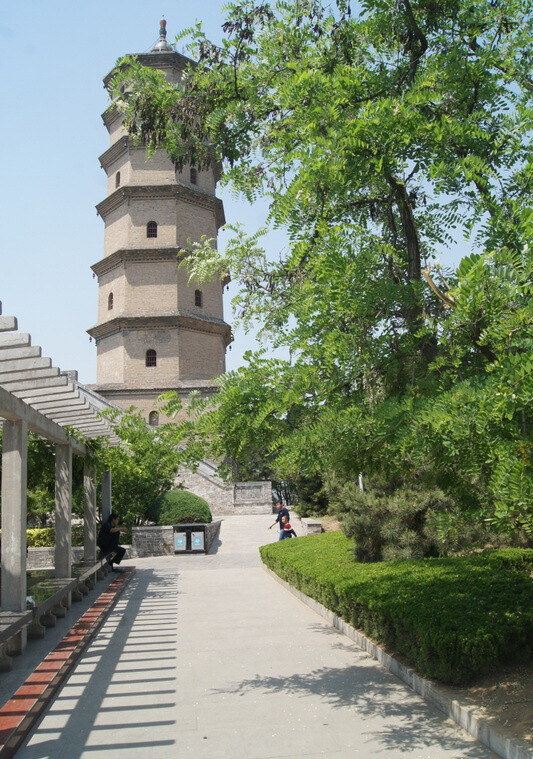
{"x":406,"y":724}
{"x":148,"y":609}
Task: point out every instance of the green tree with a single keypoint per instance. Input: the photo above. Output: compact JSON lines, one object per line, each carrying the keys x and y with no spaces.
{"x":377,"y":137}
{"x":143,"y":467}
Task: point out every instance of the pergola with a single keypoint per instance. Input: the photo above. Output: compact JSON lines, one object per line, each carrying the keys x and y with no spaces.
{"x":36,"y":396}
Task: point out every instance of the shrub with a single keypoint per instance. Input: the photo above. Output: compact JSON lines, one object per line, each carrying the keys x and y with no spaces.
{"x":182,"y":507}
{"x":452,"y":619}
{"x":398,"y":525}
{"x":310,"y":496}
{"x":44,"y":537}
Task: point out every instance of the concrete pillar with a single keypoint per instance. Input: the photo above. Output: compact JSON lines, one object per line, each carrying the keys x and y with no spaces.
{"x":14,"y":478}
{"x":106,"y":496}
{"x":89,"y":515}
{"x":63,"y":511}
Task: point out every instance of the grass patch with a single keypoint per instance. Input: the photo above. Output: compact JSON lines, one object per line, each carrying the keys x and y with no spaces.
{"x":452,"y":619}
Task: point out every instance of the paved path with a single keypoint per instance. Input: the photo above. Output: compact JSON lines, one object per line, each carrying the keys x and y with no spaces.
{"x":207,"y":656}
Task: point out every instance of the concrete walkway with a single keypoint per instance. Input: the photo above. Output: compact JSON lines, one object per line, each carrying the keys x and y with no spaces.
{"x":207,"y":656}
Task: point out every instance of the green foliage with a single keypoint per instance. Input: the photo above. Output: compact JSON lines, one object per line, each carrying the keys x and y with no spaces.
{"x":41,"y":482}
{"x":143,"y":467}
{"x":45,"y":537}
{"x":452,"y":619}
{"x":311,"y":496}
{"x":182,"y":507}
{"x":378,"y":137}
{"x":394,"y":526}
{"x":392,"y":520}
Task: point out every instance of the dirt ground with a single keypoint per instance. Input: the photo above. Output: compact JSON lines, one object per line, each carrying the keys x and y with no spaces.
{"x":504,"y":699}
{"x":330,"y":524}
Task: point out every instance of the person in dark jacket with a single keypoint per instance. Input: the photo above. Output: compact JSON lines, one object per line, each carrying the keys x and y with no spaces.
{"x":282,"y":512}
{"x":107,"y":541}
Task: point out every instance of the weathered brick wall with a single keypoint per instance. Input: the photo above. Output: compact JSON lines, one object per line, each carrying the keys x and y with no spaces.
{"x":192,"y":222}
{"x":145,"y":278}
{"x":211,"y":296}
{"x":116,"y":130}
{"x":123,"y":165}
{"x":202,"y":355}
{"x":110,"y":360}
{"x":114,"y":282}
{"x":126,"y":226}
{"x":166,"y":343}
{"x":156,"y":170}
{"x":116,"y":229}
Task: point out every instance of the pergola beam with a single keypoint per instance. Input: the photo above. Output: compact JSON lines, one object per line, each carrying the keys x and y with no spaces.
{"x":29,"y":374}
{"x":33,"y":351}
{"x":8,"y":323}
{"x":80,"y":411}
{"x":49,"y":394}
{"x":14,"y":340}
{"x":14,"y":410}
{"x":23,"y":364}
{"x":50,"y":406}
{"x":36,"y":386}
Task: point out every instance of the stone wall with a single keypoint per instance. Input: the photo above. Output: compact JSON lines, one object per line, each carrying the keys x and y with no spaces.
{"x":159,"y":541}
{"x":227,"y":498}
{"x":152,"y":541}
{"x":252,"y":497}
{"x":43,"y":558}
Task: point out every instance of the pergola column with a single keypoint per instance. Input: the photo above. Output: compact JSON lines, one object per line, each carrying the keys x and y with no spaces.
{"x":106,"y":495}
{"x":14,"y":479}
{"x":89,"y":514}
{"x":63,"y":511}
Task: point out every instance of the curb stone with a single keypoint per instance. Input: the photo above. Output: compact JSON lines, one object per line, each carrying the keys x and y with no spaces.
{"x":464,"y":716}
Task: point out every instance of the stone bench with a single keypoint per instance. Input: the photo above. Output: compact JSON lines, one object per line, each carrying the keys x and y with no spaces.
{"x":311,"y":526}
{"x":11,"y":624}
{"x":51,"y":599}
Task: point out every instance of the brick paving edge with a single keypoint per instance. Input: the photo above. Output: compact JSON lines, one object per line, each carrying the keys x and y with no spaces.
{"x":465,"y":716}
{"x":19,"y":715}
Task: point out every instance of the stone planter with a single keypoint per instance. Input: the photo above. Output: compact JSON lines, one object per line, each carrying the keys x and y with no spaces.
{"x":159,"y":540}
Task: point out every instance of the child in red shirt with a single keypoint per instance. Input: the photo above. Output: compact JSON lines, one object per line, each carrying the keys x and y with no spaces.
{"x":288,"y":532}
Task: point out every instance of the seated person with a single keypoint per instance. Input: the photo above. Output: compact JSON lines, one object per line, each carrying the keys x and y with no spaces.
{"x":107,"y":541}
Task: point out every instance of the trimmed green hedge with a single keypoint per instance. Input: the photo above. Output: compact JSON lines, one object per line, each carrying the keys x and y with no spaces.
{"x":182,"y":507}
{"x":452,"y":619}
{"x":44,"y":537}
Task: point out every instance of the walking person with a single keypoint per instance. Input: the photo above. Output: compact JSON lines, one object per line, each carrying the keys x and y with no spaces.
{"x":107,"y":541}
{"x":282,"y":512}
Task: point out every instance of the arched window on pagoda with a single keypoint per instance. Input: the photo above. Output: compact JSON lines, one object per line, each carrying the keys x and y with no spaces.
{"x":151,"y":357}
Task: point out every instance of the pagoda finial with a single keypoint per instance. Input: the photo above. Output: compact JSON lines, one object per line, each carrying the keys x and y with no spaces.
{"x":162,"y":46}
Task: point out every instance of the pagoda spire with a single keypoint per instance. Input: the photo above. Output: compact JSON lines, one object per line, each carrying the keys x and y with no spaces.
{"x":162,"y":46}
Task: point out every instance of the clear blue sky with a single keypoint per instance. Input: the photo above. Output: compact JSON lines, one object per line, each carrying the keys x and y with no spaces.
{"x":54,"y":56}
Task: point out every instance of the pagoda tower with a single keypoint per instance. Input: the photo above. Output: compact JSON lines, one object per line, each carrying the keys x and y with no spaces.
{"x":155,"y":330}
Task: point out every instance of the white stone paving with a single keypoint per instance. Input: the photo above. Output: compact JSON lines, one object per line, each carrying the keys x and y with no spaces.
{"x":207,"y":656}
